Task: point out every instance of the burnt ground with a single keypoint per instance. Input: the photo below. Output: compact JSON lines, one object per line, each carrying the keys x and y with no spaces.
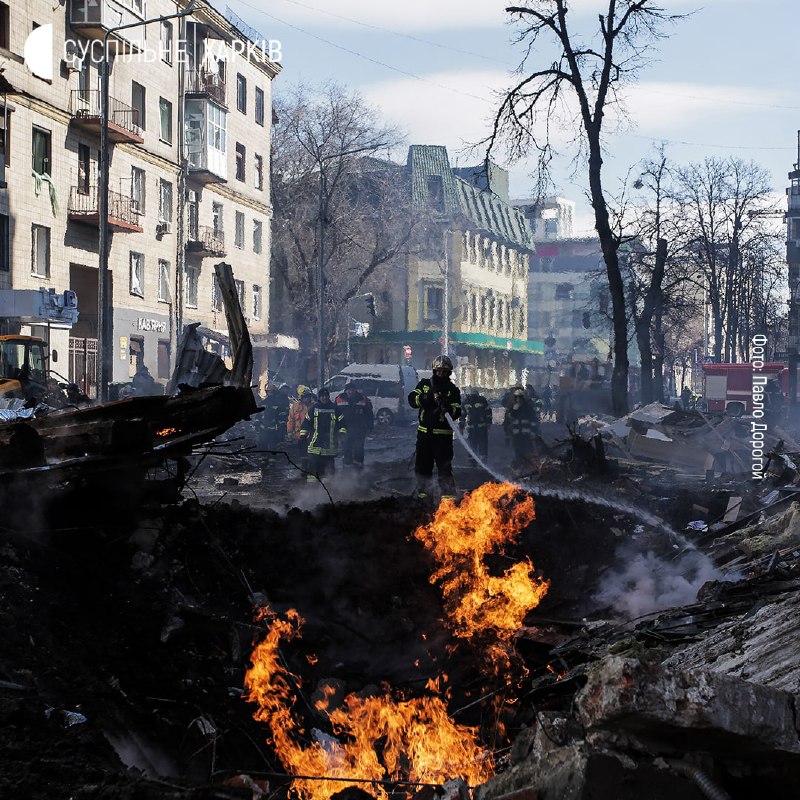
{"x":125,"y":641}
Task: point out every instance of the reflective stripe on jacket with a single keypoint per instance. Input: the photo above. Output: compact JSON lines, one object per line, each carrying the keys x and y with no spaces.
{"x":433,"y":404}
{"x":321,"y":429}
{"x":477,"y":413}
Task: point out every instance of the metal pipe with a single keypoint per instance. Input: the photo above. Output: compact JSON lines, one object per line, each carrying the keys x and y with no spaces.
{"x":700,"y":779}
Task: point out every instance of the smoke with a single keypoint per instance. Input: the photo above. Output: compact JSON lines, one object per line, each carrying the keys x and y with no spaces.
{"x":645,"y":583}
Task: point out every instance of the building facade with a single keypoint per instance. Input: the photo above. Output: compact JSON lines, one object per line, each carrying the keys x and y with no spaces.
{"x":189,"y":118}
{"x":466,"y":283}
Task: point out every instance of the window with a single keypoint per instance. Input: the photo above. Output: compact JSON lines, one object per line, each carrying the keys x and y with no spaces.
{"x":257,"y":235}
{"x":85,"y":78}
{"x":5,"y":27}
{"x":163,"y":282}
{"x":5,"y":244}
{"x":40,"y":251}
{"x":137,"y":274}
{"x":565,"y":291}
{"x":84,"y":168}
{"x":216,"y":127}
{"x":192,"y":279}
{"x":256,"y":302}
{"x":217,"y":219}
{"x":164,"y":201}
{"x":41,"y":151}
{"x":216,"y":297}
{"x":238,"y":235}
{"x":434,"y":302}
{"x":165,"y":114}
{"x":165,"y":42}
{"x":163,"y":359}
{"x":259,"y":106}
{"x":241,"y":93}
{"x":259,"y":172}
{"x":138,"y":97}
{"x":436,"y":192}
{"x":137,"y":190}
{"x":241,"y":154}
{"x":5,"y":135}
{"x":240,"y":293}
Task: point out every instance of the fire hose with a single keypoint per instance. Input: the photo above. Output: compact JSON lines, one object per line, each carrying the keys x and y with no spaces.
{"x":700,"y":779}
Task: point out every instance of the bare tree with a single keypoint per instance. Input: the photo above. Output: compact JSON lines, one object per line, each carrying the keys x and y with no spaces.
{"x":724,"y":203}
{"x":340,"y":213}
{"x":590,"y":72}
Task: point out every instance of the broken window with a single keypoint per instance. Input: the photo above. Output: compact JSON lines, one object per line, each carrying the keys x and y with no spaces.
{"x":135,"y":355}
{"x":138,"y":97}
{"x":259,"y":106}
{"x":165,"y":113}
{"x":256,"y":302}
{"x":163,"y":359}
{"x":192,"y":281}
{"x":238,"y":236}
{"x":137,"y":190}
{"x":84,"y":168}
{"x":137,"y":274}
{"x":40,"y":251}
{"x":434,"y":303}
{"x":241,"y":155}
{"x":163,"y":281}
{"x":40,"y":148}
{"x":257,"y":235}
{"x":164,"y":201}
{"x":241,"y":93}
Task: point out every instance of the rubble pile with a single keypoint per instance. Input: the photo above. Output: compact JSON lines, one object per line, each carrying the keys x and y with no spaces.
{"x":656,"y":662}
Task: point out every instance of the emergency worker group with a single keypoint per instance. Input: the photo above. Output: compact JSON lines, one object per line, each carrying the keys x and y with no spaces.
{"x":315,"y":429}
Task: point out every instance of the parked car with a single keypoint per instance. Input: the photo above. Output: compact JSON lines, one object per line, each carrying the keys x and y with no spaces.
{"x":386,"y":385}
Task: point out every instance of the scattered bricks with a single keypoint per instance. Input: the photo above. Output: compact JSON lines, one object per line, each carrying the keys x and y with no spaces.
{"x":687,"y":710}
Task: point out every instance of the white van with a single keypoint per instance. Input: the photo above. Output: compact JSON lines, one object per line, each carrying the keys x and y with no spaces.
{"x":386,"y":385}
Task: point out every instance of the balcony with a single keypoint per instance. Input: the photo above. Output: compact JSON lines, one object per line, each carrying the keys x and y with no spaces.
{"x":84,"y":208}
{"x":205,"y":136}
{"x":204,"y":83}
{"x":93,"y":18}
{"x":123,"y":121}
{"x":205,"y":241}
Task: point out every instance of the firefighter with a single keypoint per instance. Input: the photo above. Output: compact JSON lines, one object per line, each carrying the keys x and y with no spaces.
{"x":356,"y":410}
{"x":520,"y":426}
{"x":435,"y":397}
{"x":476,"y":419}
{"x":297,"y":414}
{"x":321,"y":430}
{"x":275,"y":418}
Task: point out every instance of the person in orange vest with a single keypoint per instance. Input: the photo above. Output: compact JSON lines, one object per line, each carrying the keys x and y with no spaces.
{"x":297,"y":414}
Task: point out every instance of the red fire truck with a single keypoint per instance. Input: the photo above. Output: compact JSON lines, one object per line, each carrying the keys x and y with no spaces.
{"x":729,"y":387}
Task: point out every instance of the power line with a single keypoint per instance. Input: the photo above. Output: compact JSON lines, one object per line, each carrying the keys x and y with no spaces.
{"x":361,"y":55}
{"x":398,"y":34}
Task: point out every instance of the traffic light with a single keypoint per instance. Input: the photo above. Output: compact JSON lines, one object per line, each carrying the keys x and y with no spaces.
{"x":371,"y":305}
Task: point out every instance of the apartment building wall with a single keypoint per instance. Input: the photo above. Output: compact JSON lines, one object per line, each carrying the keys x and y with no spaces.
{"x":171,"y":285}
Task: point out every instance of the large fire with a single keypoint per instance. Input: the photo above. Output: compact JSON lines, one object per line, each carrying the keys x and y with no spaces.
{"x":386,"y":736}
{"x":480,"y":606}
{"x":419,"y":743}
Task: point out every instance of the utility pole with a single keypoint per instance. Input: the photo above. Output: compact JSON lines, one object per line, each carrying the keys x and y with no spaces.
{"x":446,"y":300}
{"x":105,"y":318}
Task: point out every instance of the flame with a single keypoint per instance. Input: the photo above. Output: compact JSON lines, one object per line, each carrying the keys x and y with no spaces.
{"x":481,"y":606}
{"x":166,"y":431}
{"x":558,"y":675}
{"x":381,"y":737}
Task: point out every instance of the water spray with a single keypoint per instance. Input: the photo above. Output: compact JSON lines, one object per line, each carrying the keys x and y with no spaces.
{"x":567,"y":493}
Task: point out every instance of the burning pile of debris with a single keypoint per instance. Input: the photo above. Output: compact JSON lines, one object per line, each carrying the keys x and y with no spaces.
{"x":565,"y":650}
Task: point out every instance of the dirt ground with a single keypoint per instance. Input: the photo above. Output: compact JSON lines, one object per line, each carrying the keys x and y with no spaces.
{"x":126,"y":640}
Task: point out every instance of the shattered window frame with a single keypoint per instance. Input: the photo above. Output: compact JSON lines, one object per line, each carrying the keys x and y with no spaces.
{"x":136,"y":285}
{"x":192,"y":282}
{"x":40,"y":251}
{"x":163,"y":280}
{"x":256,"y":301}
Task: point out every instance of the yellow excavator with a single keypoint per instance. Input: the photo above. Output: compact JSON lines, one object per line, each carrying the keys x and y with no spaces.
{"x":23,"y":370}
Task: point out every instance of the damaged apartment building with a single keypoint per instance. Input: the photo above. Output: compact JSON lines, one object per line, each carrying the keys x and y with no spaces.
{"x":466,"y":282}
{"x":189,"y":117}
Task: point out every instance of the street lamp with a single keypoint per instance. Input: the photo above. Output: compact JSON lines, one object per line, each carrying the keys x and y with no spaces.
{"x":321,"y":160}
{"x":104,"y":314}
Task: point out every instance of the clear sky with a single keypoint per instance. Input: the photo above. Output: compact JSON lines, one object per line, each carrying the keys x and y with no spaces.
{"x":724,"y":82}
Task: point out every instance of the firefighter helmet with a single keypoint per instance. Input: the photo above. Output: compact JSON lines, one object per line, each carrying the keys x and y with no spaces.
{"x":442,"y":362}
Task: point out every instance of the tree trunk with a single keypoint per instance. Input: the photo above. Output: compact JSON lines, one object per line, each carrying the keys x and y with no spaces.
{"x":610,"y":246}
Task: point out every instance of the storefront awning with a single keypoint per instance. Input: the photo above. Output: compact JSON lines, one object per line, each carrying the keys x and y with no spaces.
{"x":480,"y":340}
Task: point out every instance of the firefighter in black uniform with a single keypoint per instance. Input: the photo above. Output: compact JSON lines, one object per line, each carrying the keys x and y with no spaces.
{"x":434,"y":398}
{"x":476,"y":419}
{"x":521,"y":425}
{"x":320,"y":431}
